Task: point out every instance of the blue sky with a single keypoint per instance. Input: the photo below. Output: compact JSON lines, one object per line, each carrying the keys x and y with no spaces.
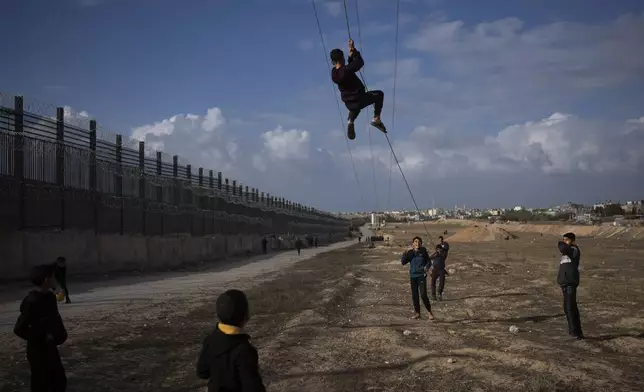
{"x":498,"y":102}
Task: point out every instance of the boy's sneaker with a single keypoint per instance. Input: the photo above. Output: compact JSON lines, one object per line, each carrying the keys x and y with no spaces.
{"x":378,"y":124}
{"x":351,"y":131}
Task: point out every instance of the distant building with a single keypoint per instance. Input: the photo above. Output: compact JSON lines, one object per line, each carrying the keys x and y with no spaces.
{"x":518,"y":208}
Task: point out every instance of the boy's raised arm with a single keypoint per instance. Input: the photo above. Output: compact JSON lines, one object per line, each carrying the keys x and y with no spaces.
{"x":248,"y":368}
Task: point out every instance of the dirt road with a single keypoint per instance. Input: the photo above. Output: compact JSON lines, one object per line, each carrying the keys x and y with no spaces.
{"x":340,"y":321}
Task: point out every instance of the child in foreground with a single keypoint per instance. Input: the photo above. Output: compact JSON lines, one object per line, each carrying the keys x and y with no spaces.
{"x":42,"y":327}
{"x":228,"y":360}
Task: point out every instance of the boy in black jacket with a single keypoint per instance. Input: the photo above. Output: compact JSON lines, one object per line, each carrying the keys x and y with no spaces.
{"x":227,"y":358}
{"x":352,"y":91}
{"x":438,"y":271}
{"x":568,"y":280}
{"x":419,"y":263}
{"x":42,"y":327}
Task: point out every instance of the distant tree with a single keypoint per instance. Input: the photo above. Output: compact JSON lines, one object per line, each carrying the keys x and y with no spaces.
{"x":613,"y":209}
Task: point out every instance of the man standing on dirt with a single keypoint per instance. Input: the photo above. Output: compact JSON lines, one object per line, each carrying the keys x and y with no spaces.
{"x":438,"y":272}
{"x":568,"y":280}
{"x":419,"y":263}
{"x":444,"y":245}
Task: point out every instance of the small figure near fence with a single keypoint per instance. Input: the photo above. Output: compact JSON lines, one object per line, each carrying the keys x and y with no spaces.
{"x":264,"y":245}
{"x":298,"y":245}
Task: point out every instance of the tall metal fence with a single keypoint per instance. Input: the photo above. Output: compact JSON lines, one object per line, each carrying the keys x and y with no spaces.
{"x":57,"y":174}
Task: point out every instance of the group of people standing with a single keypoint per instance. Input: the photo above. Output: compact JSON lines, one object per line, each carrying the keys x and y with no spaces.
{"x":421,"y":262}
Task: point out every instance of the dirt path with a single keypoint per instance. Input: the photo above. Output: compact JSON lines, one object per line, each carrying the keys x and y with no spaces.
{"x":340,"y":321}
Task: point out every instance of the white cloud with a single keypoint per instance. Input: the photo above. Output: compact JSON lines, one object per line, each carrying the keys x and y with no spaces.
{"x":201,"y":139}
{"x":283,"y":145}
{"x":558,"y":144}
{"x":333,"y":7}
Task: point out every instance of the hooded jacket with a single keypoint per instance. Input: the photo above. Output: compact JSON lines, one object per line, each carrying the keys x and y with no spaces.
{"x":39,"y":322}
{"x":349,"y":84}
{"x":568,"y":274}
{"x":229,"y":362}
{"x":418,"y":260}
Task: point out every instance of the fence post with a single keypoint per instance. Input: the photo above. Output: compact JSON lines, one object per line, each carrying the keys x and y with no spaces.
{"x":191,"y":200}
{"x":60,"y":161}
{"x":18,"y":157}
{"x":142,"y":183}
{"x":159,"y":188}
{"x":119,"y":177}
{"x":175,"y":174}
{"x":93,"y":174}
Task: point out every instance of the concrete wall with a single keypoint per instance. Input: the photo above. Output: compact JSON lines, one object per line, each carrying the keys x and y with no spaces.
{"x":87,"y":252}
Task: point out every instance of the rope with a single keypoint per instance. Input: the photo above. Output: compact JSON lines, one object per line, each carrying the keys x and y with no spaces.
{"x":393,"y":153}
{"x":355,"y":172}
{"x":393,"y":104}
{"x":373,"y":164}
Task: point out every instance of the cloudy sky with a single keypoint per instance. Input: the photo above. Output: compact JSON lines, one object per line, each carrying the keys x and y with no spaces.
{"x":498,"y":103}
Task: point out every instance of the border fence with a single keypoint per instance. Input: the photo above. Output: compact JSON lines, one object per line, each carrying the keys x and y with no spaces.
{"x":55,"y":174}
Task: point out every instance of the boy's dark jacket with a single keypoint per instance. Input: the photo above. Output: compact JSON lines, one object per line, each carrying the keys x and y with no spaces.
{"x":568,"y":266}
{"x":418,"y":259}
{"x":349,"y":84}
{"x":39,"y":322}
{"x":230,"y":363}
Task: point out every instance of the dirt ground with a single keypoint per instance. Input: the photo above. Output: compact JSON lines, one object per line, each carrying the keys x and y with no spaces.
{"x":341,"y":322}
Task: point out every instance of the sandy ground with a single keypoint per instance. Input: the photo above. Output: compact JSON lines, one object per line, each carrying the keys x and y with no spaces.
{"x":340,"y":321}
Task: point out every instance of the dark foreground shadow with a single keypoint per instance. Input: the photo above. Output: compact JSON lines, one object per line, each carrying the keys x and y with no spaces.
{"x":365,"y":369}
{"x":487,"y":296}
{"x":606,"y":337}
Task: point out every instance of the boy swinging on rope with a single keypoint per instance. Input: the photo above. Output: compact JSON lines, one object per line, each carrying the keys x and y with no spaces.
{"x":352,"y":91}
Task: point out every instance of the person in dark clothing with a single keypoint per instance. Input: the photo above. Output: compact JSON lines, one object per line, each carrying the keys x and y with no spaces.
{"x":438,"y":271}
{"x":568,"y":280}
{"x":419,"y":263}
{"x":352,"y":91}
{"x":298,"y":245}
{"x":228,"y":360}
{"x":264,"y":245}
{"x":60,"y":272}
{"x":444,"y":245}
{"x":42,"y":327}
